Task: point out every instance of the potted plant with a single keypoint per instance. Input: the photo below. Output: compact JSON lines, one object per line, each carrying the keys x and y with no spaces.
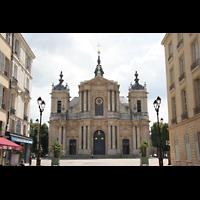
{"x":143,"y":150}
{"x":57,"y":149}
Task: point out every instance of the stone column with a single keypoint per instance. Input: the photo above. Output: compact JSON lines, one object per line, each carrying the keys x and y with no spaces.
{"x":118,"y":137}
{"x":113,"y":137}
{"x":109,"y":137}
{"x":88,"y":100}
{"x":64,"y":142}
{"x":59,"y":134}
{"x":117,"y":96}
{"x":80,"y":139}
{"x":88,"y":146}
{"x":84,"y":137}
{"x":80,"y":101}
{"x":108,"y":100}
{"x":138,"y":137}
{"x":134,"y":138}
{"x":84,"y":101}
{"x":113,"y":100}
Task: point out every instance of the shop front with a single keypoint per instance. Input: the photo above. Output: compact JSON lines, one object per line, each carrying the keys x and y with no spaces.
{"x":23,"y":141}
{"x":9,"y":152}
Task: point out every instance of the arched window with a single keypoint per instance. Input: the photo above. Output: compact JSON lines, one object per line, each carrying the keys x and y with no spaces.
{"x":98,"y":106}
{"x":138,"y":105}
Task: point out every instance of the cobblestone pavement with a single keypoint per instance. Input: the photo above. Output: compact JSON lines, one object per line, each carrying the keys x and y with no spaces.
{"x":101,"y":162}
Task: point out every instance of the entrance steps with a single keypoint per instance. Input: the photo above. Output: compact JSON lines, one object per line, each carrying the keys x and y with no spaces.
{"x":79,"y":156}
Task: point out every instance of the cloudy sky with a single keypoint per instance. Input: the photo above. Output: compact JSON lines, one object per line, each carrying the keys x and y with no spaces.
{"x":76,"y":55}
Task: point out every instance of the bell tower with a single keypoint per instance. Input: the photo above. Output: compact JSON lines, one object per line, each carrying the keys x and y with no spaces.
{"x":137,"y":97}
{"x":60,"y":98}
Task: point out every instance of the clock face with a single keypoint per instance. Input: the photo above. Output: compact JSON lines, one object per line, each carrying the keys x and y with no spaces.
{"x":99,"y":101}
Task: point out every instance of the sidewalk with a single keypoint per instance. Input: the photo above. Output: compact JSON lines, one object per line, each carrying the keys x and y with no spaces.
{"x":101,"y":162}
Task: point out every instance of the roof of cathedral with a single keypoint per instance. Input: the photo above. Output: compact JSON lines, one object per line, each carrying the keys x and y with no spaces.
{"x":60,"y":86}
{"x":136,"y":85}
{"x":74,"y":101}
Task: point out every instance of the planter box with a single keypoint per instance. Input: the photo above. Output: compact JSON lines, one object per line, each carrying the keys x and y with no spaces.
{"x":144,"y":160}
{"x":55,"y":161}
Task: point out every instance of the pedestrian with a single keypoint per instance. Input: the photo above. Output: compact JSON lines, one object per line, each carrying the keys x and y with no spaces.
{"x":22,"y":163}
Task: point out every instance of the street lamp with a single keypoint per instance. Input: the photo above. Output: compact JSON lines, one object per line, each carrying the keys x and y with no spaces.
{"x":156,"y":104}
{"x":41,"y":104}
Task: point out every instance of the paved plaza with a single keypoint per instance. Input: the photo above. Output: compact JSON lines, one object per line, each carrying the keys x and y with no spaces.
{"x":101,"y":162}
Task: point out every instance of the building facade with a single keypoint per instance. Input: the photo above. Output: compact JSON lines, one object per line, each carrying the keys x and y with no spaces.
{"x":16,"y":59}
{"x":183,"y":91}
{"x":99,"y":121}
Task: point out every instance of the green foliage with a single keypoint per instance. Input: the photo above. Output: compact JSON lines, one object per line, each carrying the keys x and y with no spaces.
{"x":163,"y":135}
{"x":34,"y":131}
{"x":143,"y":146}
{"x":57,"y":148}
{"x":44,"y":139}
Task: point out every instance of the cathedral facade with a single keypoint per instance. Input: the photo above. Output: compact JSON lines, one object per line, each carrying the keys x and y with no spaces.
{"x":99,"y":121}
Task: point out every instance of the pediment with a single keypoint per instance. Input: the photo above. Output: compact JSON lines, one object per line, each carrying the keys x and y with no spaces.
{"x":99,"y":80}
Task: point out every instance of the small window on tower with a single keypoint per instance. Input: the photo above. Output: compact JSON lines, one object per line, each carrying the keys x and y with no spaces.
{"x":59,"y":107}
{"x":138,"y":106}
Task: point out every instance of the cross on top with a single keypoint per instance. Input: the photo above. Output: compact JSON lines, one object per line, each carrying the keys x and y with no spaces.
{"x":136,"y":75}
{"x":98,"y":48}
{"x":98,"y":45}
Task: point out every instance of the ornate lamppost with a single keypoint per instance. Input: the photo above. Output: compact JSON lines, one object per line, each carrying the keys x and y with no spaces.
{"x":156,"y":104}
{"x":41,"y":104}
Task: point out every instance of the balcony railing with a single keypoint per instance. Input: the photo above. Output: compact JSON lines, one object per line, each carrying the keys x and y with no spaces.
{"x":182,"y":77}
{"x":3,"y":106}
{"x":184,"y":115}
{"x":14,"y":80}
{"x":173,"y":121}
{"x":25,"y":118}
{"x":26,"y":91}
{"x":12,"y":111}
{"x":172,"y":87}
{"x":170,"y":57}
{"x":180,"y":42}
{"x":194,"y":64}
{"x":196,"y":110}
{"x":5,"y":73}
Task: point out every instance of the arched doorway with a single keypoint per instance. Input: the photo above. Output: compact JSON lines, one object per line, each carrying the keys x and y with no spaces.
{"x":72,"y":147}
{"x":99,"y":142}
{"x":125,"y":146}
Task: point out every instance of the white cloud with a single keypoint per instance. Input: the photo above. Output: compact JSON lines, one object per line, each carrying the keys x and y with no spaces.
{"x":76,"y":55}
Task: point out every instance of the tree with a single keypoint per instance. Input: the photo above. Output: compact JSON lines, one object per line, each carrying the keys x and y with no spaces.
{"x":154,"y":134}
{"x":34,"y":130}
{"x":44,"y":139}
{"x":163,"y":135}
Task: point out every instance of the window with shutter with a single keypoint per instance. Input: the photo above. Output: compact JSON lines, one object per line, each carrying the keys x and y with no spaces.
{"x":195,"y":51}
{"x":176,"y":149}
{"x":8,"y":103}
{"x":10,"y":69}
{"x":196,"y":139}
{"x":2,"y":62}
{"x":188,"y":152}
{"x":1,"y":95}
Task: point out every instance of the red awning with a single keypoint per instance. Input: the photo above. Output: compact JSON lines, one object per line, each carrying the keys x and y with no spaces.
{"x":7,"y":144}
